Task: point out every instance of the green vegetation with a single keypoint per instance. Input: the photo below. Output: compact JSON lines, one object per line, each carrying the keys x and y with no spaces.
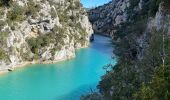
{"x":158,"y":87}
{"x":26,"y":55}
{"x":83,"y":34}
{"x":154,"y":5}
{"x":32,"y":8}
{"x":37,"y":43}
{"x":133,"y":3}
{"x":68,"y":16}
{"x":4,"y":2}
{"x":53,"y":13}
{"x":2,"y":54}
{"x":2,"y":24}
{"x":2,"y":12}
{"x":77,"y":4}
{"x":16,"y":13}
{"x":138,"y":71}
{"x":3,"y":36}
{"x":54,"y":37}
{"x":63,"y":17}
{"x":142,"y":71}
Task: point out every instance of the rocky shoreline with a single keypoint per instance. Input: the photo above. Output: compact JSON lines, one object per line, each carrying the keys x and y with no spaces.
{"x":26,"y":63}
{"x":49,"y":31}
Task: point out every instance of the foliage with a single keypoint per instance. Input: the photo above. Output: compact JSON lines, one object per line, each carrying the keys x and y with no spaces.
{"x":4,"y":2}
{"x":2,"y":54}
{"x":32,"y":8}
{"x":154,"y":5}
{"x":2,"y":12}
{"x":53,"y":13}
{"x":63,"y":17}
{"x":54,"y":37}
{"x":128,"y":49}
{"x":93,"y":96}
{"x":158,"y":87}
{"x":37,"y":43}
{"x":133,"y":3}
{"x":137,"y":71}
{"x":16,"y":13}
{"x":2,"y":24}
{"x":3,"y":36}
{"x":77,"y":4}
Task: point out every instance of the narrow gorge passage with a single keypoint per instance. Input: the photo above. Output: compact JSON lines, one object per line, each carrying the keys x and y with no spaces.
{"x":66,"y":80}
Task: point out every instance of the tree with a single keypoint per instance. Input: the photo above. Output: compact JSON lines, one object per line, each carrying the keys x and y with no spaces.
{"x":158,"y":87}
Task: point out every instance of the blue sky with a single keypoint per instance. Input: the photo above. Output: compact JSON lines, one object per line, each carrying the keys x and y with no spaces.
{"x":93,"y":3}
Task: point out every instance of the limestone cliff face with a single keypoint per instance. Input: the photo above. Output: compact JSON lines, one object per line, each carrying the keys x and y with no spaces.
{"x":116,"y":18}
{"x":139,"y":28}
{"x":161,"y":19}
{"x":43,"y":30}
{"x":108,"y":18}
{"x":105,"y":18}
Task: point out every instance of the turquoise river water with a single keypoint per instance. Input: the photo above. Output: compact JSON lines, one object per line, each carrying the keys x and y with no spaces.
{"x":66,"y":80}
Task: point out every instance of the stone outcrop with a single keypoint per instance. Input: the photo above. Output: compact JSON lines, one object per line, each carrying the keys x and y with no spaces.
{"x":65,"y":18}
{"x":139,"y":28}
{"x":105,"y":17}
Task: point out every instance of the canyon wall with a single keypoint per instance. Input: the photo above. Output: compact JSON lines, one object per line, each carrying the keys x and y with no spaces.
{"x":41,"y":30}
{"x":140,"y":30}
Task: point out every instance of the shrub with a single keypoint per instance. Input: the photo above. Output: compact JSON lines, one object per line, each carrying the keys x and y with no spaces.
{"x":4,"y":2}
{"x":158,"y":87}
{"x":32,"y":8}
{"x":2,"y":12}
{"x":16,"y":13}
{"x":63,"y":17}
{"x":77,"y":4}
{"x":35,"y":44}
{"x":53,"y":13}
{"x":3,"y":36}
{"x":2,"y":54}
{"x":154,"y":5}
{"x":2,"y":24}
{"x":134,"y":3}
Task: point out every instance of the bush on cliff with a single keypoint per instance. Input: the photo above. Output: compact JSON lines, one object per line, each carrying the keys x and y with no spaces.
{"x":16,"y":13}
{"x":2,"y":54}
{"x":158,"y":87}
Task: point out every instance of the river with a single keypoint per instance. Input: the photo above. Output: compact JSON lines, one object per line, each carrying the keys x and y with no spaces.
{"x":66,"y":80}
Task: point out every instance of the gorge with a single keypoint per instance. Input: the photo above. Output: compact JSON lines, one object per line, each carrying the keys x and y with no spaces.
{"x":140,"y":30}
{"x":66,"y":80}
{"x":136,"y":67}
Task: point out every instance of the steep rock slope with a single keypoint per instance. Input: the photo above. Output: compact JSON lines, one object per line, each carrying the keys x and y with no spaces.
{"x":140,"y":29}
{"x":41,"y":30}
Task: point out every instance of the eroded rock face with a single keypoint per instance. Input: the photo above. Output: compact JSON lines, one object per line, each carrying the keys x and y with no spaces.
{"x":61,"y":17}
{"x":160,"y":21}
{"x":135,"y":25}
{"x":104,"y":18}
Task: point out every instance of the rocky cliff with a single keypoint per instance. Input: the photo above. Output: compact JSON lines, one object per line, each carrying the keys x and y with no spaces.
{"x":41,"y":30}
{"x":140,"y":29}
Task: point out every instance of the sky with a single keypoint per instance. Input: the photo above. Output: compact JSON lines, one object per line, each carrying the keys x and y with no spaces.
{"x":93,"y":3}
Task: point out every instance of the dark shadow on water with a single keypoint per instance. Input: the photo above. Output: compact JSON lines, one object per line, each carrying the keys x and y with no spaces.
{"x":102,"y":44}
{"x":77,"y":93}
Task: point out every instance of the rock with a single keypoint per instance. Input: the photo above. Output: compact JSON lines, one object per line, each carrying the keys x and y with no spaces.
{"x":51,"y":15}
{"x":92,"y":38}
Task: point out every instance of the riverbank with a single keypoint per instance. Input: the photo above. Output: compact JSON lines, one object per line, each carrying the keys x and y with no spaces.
{"x":27,"y":63}
{"x":66,"y":80}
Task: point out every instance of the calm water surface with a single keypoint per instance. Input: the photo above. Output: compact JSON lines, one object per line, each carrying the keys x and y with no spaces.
{"x":66,"y":80}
